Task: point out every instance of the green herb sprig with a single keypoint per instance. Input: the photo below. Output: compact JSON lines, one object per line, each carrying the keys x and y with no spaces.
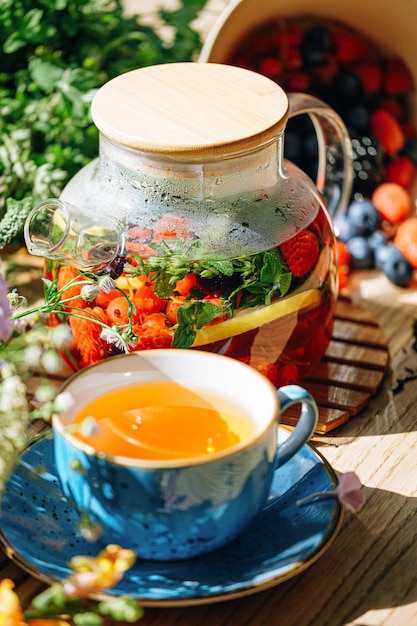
{"x":55,"y":55}
{"x":247,"y":281}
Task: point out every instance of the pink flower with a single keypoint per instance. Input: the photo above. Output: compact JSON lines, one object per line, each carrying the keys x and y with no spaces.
{"x":348,"y":492}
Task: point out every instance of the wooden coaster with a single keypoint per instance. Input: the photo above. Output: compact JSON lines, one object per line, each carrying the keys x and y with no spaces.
{"x":351,"y":371}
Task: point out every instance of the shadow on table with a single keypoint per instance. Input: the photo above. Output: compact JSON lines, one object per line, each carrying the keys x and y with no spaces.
{"x":369,"y":566}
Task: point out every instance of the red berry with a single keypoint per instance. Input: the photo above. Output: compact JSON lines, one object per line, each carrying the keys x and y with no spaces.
{"x":292,"y":59}
{"x":298,"y":81}
{"x":406,"y":240}
{"x":184,"y":285}
{"x":387,"y":131}
{"x":118,"y":310}
{"x":156,"y":321}
{"x":393,"y":106}
{"x":343,"y":276}
{"x":146,"y":301}
{"x":263,"y":366}
{"x":409,"y":130}
{"x":261,"y":44}
{"x":287,"y":374}
{"x":327,"y":71}
{"x":402,"y":171}
{"x":343,"y":254}
{"x":301,"y":252}
{"x":351,"y":47}
{"x":270,"y":66}
{"x":392,"y":201}
{"x":371,"y":76}
{"x":398,"y":79}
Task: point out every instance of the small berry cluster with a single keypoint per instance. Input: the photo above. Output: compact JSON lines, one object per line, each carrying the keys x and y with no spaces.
{"x":371,"y":92}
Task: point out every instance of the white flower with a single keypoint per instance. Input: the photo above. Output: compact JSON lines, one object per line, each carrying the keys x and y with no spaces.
{"x":45,"y":392}
{"x":106,"y":284}
{"x":63,"y":402}
{"x":89,"y":292}
{"x":121,"y":340}
{"x":62,"y":337}
{"x":51,"y":361}
{"x":15,"y":300}
{"x":33,"y":356}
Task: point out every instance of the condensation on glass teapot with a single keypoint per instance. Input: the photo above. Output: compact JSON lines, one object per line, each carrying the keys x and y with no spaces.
{"x":192,"y":188}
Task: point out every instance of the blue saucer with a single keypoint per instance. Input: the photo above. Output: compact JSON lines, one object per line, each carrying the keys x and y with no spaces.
{"x":38,"y":530}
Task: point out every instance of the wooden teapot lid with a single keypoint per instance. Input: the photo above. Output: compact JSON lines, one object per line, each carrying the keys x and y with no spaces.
{"x":190,"y":109}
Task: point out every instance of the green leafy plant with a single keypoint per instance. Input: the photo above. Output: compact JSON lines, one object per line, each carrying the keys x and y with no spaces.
{"x":55,"y":55}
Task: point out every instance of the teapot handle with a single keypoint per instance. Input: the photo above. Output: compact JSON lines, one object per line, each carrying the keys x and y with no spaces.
{"x":335,"y":169}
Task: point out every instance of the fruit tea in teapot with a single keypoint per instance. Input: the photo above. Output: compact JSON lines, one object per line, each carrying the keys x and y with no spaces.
{"x":191,"y":230}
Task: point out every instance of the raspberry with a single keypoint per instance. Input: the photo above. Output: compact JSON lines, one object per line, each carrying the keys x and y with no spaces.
{"x":327,"y":72}
{"x":301,"y":252}
{"x":387,"y":131}
{"x":370,"y":75}
{"x":393,"y":106}
{"x":298,"y":81}
{"x":398,"y":80}
{"x":392,"y":201}
{"x":270,"y":66}
{"x":292,"y":59}
{"x":406,"y":240}
{"x":351,"y":47}
{"x":401,"y":171}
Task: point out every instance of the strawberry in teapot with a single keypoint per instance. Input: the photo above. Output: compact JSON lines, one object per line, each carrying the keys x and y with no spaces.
{"x":192,"y":230}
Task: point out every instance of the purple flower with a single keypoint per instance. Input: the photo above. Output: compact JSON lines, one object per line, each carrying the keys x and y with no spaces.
{"x":348,"y":492}
{"x":6,"y":327}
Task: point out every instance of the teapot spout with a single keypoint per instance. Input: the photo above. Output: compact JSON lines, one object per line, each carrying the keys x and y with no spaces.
{"x":57,"y":230}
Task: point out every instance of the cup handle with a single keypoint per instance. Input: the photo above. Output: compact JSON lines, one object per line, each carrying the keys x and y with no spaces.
{"x":306,"y":425}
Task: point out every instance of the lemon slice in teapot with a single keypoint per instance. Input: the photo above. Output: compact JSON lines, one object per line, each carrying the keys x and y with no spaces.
{"x":250,"y":319}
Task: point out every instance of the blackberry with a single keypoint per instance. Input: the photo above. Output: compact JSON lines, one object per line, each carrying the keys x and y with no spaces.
{"x":368,"y":165}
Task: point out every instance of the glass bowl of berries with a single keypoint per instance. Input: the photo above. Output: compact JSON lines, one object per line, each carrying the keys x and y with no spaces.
{"x":359,"y":58}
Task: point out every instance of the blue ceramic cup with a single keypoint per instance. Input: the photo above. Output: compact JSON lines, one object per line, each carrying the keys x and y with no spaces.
{"x":180,"y":508}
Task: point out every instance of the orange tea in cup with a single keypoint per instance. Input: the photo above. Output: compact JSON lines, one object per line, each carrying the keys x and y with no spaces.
{"x":211,"y":424}
{"x":162,"y":420}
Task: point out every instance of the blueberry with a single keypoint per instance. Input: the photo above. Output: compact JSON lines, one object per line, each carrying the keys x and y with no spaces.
{"x":391,"y":261}
{"x":361,"y":254}
{"x":348,"y":86}
{"x":347,"y":230}
{"x":316,"y":43}
{"x":358,"y":118}
{"x":410,"y":149}
{"x":364,"y":216}
{"x":377,"y":239}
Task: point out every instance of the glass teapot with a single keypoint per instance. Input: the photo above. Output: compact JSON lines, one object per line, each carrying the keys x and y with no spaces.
{"x":211,"y":239}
